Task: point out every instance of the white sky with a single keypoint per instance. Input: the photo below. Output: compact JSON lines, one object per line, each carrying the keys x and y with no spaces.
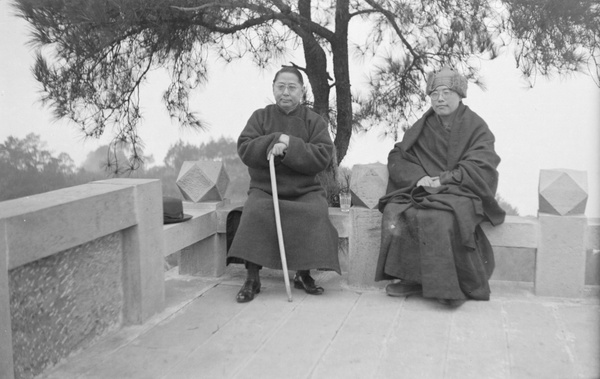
{"x":554,"y":125}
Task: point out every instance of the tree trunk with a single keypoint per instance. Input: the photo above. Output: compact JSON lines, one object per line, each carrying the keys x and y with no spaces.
{"x":342,"y":79}
{"x":316,"y":65}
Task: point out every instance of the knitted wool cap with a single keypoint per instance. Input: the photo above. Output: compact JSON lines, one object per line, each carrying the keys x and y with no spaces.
{"x":447,"y":77}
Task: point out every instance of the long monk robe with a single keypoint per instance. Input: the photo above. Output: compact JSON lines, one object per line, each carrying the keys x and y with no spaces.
{"x":310,"y":239}
{"x":432,"y":235}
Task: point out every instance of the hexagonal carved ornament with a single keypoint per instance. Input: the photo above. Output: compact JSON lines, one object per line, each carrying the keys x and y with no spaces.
{"x":201,"y":181}
{"x":563,"y":192}
{"x":368,"y":183}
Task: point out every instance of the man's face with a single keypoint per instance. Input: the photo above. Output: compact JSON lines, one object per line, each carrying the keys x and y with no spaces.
{"x":287,"y":91}
{"x":444,"y":101}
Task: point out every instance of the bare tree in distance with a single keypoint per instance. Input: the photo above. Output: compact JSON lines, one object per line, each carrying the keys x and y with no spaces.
{"x":93,"y":56}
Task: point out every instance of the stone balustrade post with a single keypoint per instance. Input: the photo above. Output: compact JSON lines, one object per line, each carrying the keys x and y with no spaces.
{"x":203,"y":185}
{"x":561,"y":255}
{"x":367,"y":184}
{"x":143,"y":261}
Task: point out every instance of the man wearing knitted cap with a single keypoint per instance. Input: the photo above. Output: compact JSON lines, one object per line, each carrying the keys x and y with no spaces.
{"x":442,"y":186}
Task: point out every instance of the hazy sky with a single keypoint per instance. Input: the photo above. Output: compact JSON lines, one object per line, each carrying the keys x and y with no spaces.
{"x":554,"y":125}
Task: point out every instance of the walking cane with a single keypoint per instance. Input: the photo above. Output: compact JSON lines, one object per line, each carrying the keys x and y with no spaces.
{"x":278,"y":225}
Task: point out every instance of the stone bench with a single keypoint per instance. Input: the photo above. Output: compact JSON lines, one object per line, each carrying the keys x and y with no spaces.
{"x":557,"y":251}
{"x":554,"y":252}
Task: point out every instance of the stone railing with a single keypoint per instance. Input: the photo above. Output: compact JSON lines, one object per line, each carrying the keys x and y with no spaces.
{"x":75,"y":263}
{"x":557,"y":251}
{"x":81,"y":261}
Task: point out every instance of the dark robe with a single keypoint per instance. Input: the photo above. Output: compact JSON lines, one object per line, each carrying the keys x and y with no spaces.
{"x":432,"y":235}
{"x":310,"y":239}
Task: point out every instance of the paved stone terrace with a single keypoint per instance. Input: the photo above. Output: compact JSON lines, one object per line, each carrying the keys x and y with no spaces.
{"x":346,"y":333}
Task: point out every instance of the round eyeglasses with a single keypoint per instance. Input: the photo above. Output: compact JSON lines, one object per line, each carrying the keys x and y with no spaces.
{"x":436,"y":94}
{"x":290,"y":87}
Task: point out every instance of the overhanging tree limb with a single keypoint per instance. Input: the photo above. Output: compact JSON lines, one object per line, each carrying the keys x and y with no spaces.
{"x":104,"y":50}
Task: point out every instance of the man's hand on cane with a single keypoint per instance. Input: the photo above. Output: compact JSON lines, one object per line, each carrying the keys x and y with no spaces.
{"x":280,"y":148}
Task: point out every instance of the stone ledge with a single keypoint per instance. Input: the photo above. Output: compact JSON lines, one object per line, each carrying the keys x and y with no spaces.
{"x":514,"y":232}
{"x":203,"y":224}
{"x":42,"y":225}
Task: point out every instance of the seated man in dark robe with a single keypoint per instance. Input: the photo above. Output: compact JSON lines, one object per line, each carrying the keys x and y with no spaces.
{"x":442,"y":185}
{"x":300,"y":141}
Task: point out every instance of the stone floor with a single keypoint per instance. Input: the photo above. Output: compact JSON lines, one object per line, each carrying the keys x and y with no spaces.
{"x":345,"y":333}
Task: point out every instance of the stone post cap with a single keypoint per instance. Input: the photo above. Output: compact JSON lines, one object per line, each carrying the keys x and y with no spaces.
{"x":563,"y":192}
{"x":202,"y":181}
{"x":368,"y":184}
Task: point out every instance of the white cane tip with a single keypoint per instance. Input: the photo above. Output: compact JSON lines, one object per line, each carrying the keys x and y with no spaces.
{"x":290,"y":299}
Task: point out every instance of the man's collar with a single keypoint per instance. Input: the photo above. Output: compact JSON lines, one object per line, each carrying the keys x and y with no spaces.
{"x":288,"y":112}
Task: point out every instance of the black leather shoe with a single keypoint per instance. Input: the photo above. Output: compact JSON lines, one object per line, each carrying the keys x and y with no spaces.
{"x":401,"y":289}
{"x":250,"y":288}
{"x":307,"y":283}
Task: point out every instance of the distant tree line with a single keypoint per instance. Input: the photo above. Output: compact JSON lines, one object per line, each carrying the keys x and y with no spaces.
{"x":28,"y":168}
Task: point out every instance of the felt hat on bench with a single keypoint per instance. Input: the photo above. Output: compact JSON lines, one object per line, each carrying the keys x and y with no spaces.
{"x":173,"y":211}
